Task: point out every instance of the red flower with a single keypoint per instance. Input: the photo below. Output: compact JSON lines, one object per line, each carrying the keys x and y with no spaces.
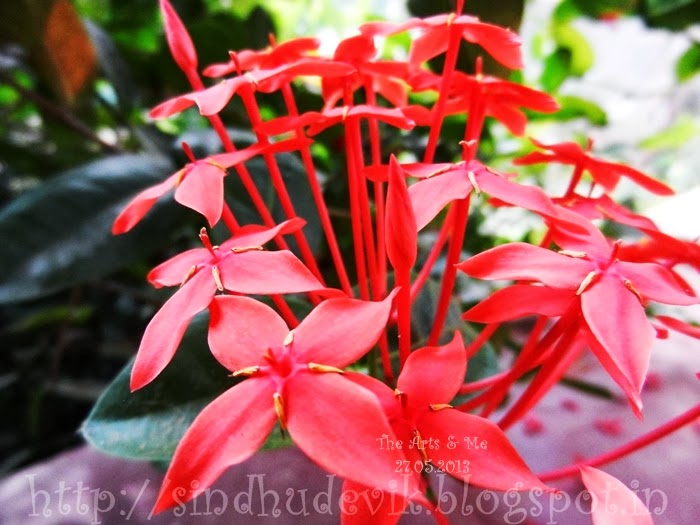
{"x":605,"y":173}
{"x":199,"y":185}
{"x":296,"y":378}
{"x":502,"y":44}
{"x":434,"y":435}
{"x":239,"y":265}
{"x":385,"y":77}
{"x":612,"y":294}
{"x":179,"y":40}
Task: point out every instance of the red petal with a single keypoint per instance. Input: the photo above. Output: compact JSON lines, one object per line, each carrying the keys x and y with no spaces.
{"x":256,"y":235}
{"x":500,"y":43}
{"x":524,"y":262}
{"x":164,"y":333}
{"x":174,"y":271}
{"x":430,"y":196}
{"x":335,"y":422}
{"x":171,"y":106}
{"x":680,"y":326}
{"x":385,"y":395}
{"x":618,"y":322}
{"x":529,"y":197}
{"x":228,"y":431}
{"x":214,"y":99}
{"x":339,"y":331}
{"x":361,"y":505}
{"x":241,"y":330}
{"x":202,"y":190}
{"x":645,"y":181}
{"x":521,"y":300}
{"x":496,"y":467}
{"x":401,"y":235}
{"x":141,"y":204}
{"x":511,"y":117}
{"x":613,"y":503}
{"x":179,"y":39}
{"x":656,"y":283}
{"x":433,"y":375}
{"x":428,"y":45}
{"x":263,"y":272}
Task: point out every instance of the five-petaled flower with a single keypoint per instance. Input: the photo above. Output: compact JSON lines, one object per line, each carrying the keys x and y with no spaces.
{"x":295,"y":378}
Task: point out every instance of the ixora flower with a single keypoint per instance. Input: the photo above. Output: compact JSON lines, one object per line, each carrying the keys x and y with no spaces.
{"x":199,"y":185}
{"x":605,"y":173}
{"x":609,"y":294}
{"x":433,"y":435}
{"x":612,"y":502}
{"x":296,"y":378}
{"x":238,"y":265}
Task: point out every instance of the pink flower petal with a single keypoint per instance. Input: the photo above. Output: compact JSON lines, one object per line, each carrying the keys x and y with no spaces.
{"x":174,"y":271}
{"x":264,"y":272}
{"x":520,"y":300}
{"x":430,"y":196}
{"x":179,"y":39}
{"x":141,"y":205}
{"x":656,"y":283}
{"x":256,"y":235}
{"x":480,"y":453}
{"x":339,"y":331}
{"x":524,"y":262}
{"x":202,"y":190}
{"x":618,"y":322}
{"x":433,"y":375}
{"x":613,"y":503}
{"x":335,"y":422}
{"x":164,"y":333}
{"x":241,"y":330}
{"x":227,"y":432}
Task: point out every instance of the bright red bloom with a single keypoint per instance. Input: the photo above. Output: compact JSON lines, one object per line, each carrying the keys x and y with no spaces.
{"x":199,"y":185}
{"x":295,"y":377}
{"x":433,"y":433}
{"x":502,"y":44}
{"x":272,"y":57}
{"x":401,"y":229}
{"x":613,"y":503}
{"x":604,"y":207}
{"x":605,"y":173}
{"x":612,"y":294}
{"x":239,"y":265}
{"x":212,"y":100}
{"x":386,"y":77}
{"x":499,"y":98}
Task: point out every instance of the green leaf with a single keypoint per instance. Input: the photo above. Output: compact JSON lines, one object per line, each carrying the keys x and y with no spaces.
{"x":688,"y":64}
{"x":572,"y":107}
{"x":582,"y":57}
{"x":662,"y":7}
{"x":59,"y":235}
{"x":673,"y":137}
{"x":557,"y":68}
{"x":148,"y":424}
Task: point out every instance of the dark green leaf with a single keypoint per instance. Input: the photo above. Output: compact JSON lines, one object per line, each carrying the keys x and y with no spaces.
{"x":662,"y":7}
{"x":59,"y":235}
{"x":689,"y":63}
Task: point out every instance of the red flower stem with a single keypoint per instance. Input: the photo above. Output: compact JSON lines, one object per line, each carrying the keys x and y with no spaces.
{"x":241,"y":170}
{"x":480,"y":339}
{"x":439,"y":107}
{"x":553,"y":368}
{"x":628,"y":448}
{"x":454,"y":252}
{"x":253,"y":111}
{"x":467,"y":388}
{"x":376,"y":148}
{"x":229,"y":220}
{"x":433,"y":256}
{"x":319,"y":200}
{"x":575,"y":179}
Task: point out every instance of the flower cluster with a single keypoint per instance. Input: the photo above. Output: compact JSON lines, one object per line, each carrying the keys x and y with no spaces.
{"x":587,"y":291}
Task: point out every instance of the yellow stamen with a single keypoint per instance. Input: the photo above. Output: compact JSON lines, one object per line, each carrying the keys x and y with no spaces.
{"x":472,"y":179}
{"x":279,"y":409}
{"x":451,"y":18}
{"x":215,"y":164}
{"x":251,"y":79}
{"x":217,"y":278}
{"x":243,"y":249}
{"x":628,"y":284}
{"x":346,"y":110}
{"x":421,"y":448}
{"x":188,"y":275}
{"x":397,"y":392}
{"x":315,"y":367}
{"x":288,"y":340}
{"x":573,"y":253}
{"x":180,"y":175}
{"x":440,"y":406}
{"x":248,"y":371}
{"x":586,"y":283}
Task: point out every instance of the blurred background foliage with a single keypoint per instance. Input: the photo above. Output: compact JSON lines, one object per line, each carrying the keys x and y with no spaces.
{"x":76,"y":80}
